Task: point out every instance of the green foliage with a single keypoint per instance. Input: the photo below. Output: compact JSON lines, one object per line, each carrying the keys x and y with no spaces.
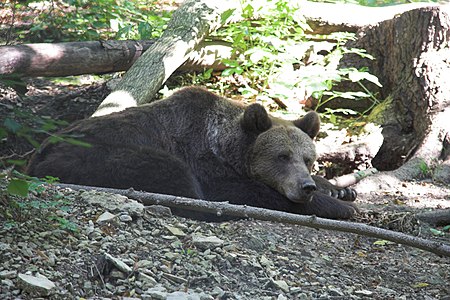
{"x":279,"y":60}
{"x":27,"y":197}
{"x":75,"y":20}
{"x":23,"y":124}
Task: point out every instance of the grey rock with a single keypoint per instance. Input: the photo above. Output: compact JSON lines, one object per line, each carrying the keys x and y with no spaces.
{"x":115,"y":203}
{"x":159,"y":210}
{"x":125,"y":218}
{"x":105,"y":217}
{"x":363,"y":293}
{"x":133,"y":208}
{"x":175,"y":231}
{"x":206,"y":242}
{"x":7,"y":282}
{"x":147,"y":280}
{"x":182,"y":296}
{"x":36,"y":286}
{"x":281,"y":284}
{"x":118,"y":263}
{"x":8,"y":274}
{"x":4,"y":246}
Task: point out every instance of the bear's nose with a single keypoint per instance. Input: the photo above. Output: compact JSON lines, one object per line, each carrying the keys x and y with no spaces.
{"x":309,"y":186}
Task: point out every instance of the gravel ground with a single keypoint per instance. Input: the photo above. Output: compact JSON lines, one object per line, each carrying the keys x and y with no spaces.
{"x":95,"y":245}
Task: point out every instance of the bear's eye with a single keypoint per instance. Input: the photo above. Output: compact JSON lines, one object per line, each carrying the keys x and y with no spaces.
{"x":308,"y":161}
{"x":284,"y":156}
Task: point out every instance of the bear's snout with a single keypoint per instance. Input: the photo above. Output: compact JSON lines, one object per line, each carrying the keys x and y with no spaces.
{"x":299,"y":191}
{"x":309,"y":186}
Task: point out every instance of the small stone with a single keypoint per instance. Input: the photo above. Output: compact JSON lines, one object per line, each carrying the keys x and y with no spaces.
{"x":133,"y":208}
{"x":4,"y":246}
{"x":118,"y":263}
{"x":207,"y":242}
{"x":265,"y":261}
{"x":147,"y":280}
{"x":87,"y":285}
{"x":8,"y":274}
{"x":182,"y":296}
{"x":204,"y":296}
{"x":143,"y":264}
{"x":363,"y":293}
{"x":335,"y":292}
{"x":281,"y":284}
{"x":116,"y":274}
{"x":157,"y":292}
{"x":217,"y":291}
{"x":125,"y":218}
{"x":159,"y":210}
{"x":176,"y":231}
{"x":7,"y":282}
{"x":36,"y":286}
{"x":281,"y":297}
{"x":105,"y":217}
{"x":384,"y":290}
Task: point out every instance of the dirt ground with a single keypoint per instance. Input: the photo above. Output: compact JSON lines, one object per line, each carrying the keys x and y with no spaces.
{"x":93,"y":245}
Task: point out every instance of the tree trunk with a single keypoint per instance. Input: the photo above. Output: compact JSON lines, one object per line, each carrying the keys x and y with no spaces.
{"x":413,"y":64}
{"x":326,"y":18}
{"x":96,"y":57}
{"x":189,"y":25}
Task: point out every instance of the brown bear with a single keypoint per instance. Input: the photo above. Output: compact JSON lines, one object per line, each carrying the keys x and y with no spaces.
{"x":199,"y":145}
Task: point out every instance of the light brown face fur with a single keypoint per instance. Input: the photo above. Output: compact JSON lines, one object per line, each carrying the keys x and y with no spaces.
{"x":282,"y":158}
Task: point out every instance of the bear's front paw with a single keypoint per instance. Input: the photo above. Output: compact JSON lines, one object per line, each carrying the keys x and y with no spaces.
{"x":345,"y":194}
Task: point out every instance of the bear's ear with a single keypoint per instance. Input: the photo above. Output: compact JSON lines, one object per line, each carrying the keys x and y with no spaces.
{"x":310,"y":124}
{"x":256,"y":119}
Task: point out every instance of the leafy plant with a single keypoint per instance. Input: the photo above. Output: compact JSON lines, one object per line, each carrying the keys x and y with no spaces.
{"x":75,"y":20}
{"x":32,"y":198}
{"x":280,"y":61}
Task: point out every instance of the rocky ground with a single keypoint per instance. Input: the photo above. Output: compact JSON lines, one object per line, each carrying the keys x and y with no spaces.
{"x":63,"y":244}
{"x":94,"y":245}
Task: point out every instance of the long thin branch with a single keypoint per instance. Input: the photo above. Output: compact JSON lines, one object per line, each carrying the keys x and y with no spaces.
{"x":224,"y":208}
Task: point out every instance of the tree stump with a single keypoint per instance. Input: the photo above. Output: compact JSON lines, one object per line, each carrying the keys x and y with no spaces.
{"x":412,"y":61}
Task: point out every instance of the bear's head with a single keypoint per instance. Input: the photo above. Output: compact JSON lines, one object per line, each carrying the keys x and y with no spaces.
{"x":283,"y":153}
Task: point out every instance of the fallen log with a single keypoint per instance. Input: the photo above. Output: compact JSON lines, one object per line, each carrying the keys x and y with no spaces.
{"x":96,"y":57}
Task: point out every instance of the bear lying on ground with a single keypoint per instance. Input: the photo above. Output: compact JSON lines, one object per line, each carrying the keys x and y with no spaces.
{"x":196,"y":144}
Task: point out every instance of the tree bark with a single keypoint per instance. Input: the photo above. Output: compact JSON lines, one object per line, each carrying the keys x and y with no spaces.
{"x":326,"y":18}
{"x":96,"y":57}
{"x":189,"y":25}
{"x":413,"y":64}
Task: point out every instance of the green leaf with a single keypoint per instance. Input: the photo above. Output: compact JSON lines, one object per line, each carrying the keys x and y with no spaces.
{"x":18,"y":187}
{"x":419,"y":285}
{"x":436,"y":231}
{"x":3,"y":133}
{"x":382,"y":242}
{"x":446,"y":228}
{"x":17,"y":162}
{"x":355,"y":75}
{"x":145,"y":30}
{"x":226,"y":14}
{"x":77,"y":142}
{"x":12,"y":125}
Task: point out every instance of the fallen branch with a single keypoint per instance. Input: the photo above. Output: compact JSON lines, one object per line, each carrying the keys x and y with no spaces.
{"x":224,"y":208}
{"x":96,"y":57}
{"x":435,"y":218}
